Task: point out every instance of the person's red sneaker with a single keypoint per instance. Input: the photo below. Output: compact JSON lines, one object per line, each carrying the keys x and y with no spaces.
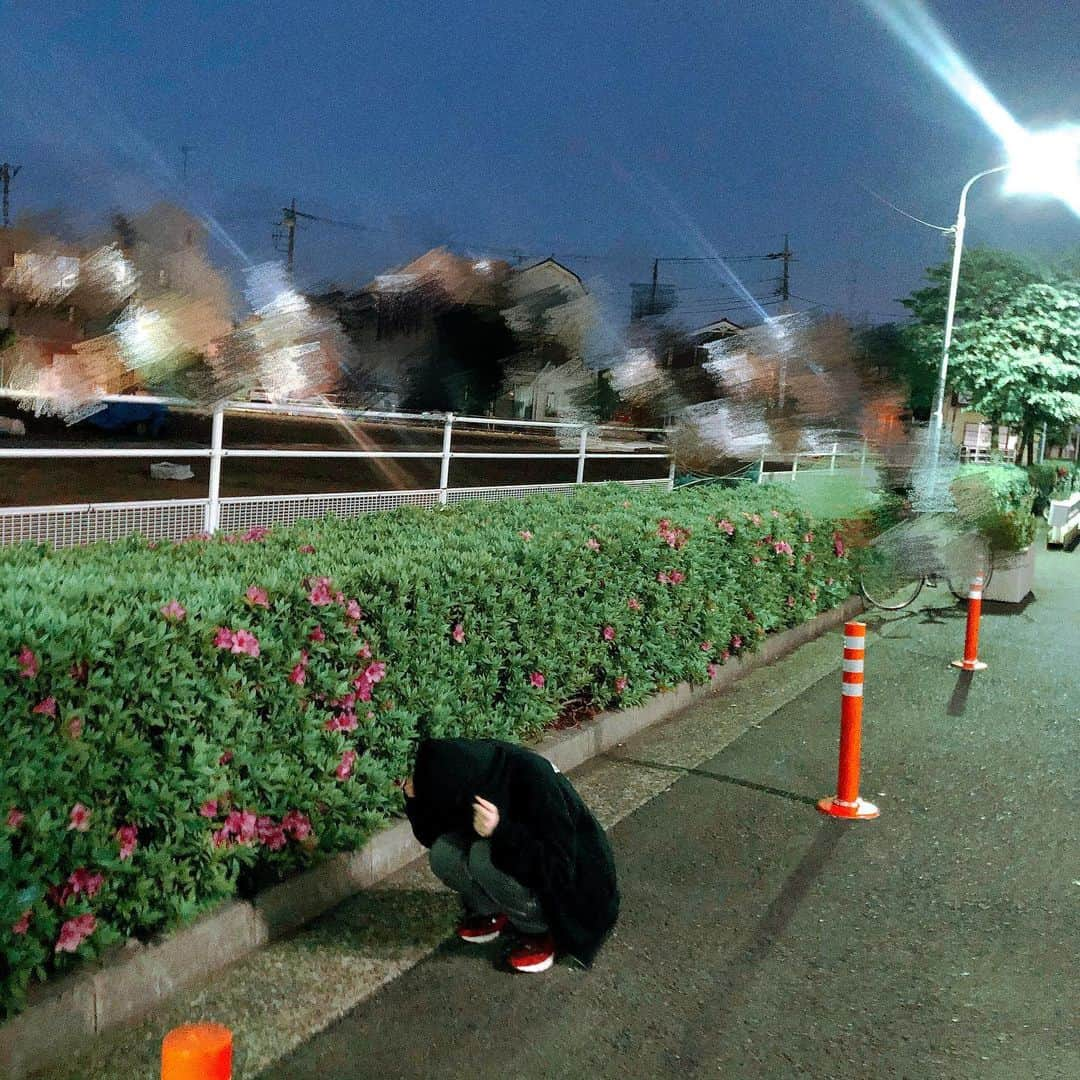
{"x":478,"y":929}
{"x":534,"y":952}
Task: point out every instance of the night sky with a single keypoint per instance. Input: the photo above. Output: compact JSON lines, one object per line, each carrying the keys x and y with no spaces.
{"x":613,"y":129}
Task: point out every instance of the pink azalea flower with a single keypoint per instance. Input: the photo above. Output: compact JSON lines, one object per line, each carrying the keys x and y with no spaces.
{"x":808,"y":538}
{"x":354,"y":611}
{"x":173,"y":611}
{"x":15,"y":818}
{"x":621,"y":684}
{"x":74,"y":932}
{"x":592,"y":544}
{"x":74,"y":727}
{"x":223,"y":638}
{"x":82,"y":881}
{"x":298,"y":675}
{"x":22,"y":923}
{"x":633,"y":604}
{"x":128,"y":835}
{"x":676,"y":577}
{"x":608,"y":633}
{"x":537,"y":680}
{"x":663,"y":578}
{"x":345,"y":766}
{"x":458,"y":633}
{"x":318,"y":634}
{"x":240,"y":824}
{"x":343,"y":721}
{"x":375,"y":672}
{"x":838,"y":545}
{"x":725,"y":655}
{"x":736,"y":643}
{"x":257,"y":597}
{"x":705,"y":646}
{"x":296,"y":824}
{"x":791,"y":601}
{"x":270,"y":834}
{"x":782,"y":547}
{"x":244,"y":641}
{"x":364,"y":652}
{"x":320,"y":594}
{"x":220,"y":838}
{"x":756,"y":561}
{"x":79,"y":818}
{"x":712,"y":670}
{"x":46,"y":707}
{"x":260,"y":532}
{"x":28,"y":663}
{"x":231,"y":538}
{"x":306,"y":549}
{"x":725,"y":526}
{"x":209,"y":809}
{"x":755,"y":518}
{"x":225,"y":758}
{"x":525,"y":534}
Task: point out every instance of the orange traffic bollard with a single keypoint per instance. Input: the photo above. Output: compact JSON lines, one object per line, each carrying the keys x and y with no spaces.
{"x":846,"y":802}
{"x":971,"y":661}
{"x":197,"y":1052}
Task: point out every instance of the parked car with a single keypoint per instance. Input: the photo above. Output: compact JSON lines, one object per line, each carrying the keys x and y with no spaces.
{"x":123,"y":416}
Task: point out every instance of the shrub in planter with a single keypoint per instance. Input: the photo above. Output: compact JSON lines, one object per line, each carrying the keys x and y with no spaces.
{"x":998,"y":500}
{"x":184,"y":722}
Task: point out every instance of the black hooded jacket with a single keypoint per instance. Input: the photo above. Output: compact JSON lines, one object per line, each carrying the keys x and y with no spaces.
{"x":546,"y":837}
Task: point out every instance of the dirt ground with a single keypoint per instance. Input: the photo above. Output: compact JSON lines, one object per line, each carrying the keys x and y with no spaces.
{"x":42,"y":482}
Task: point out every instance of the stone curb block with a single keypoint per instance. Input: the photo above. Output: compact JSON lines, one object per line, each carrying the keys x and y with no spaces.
{"x":69,"y":1013}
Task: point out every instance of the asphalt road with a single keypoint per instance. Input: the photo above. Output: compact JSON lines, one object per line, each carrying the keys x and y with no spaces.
{"x":760,"y":939}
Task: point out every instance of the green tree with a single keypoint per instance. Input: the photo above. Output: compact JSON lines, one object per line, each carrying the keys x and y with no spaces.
{"x":1016,"y":343}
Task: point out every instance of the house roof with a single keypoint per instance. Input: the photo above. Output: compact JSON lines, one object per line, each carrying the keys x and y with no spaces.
{"x":721,"y":326}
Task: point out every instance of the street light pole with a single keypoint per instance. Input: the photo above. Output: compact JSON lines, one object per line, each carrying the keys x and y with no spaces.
{"x":937,"y":417}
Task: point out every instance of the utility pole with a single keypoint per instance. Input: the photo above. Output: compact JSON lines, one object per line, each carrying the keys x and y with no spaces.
{"x":184,"y":151}
{"x":785,"y":309}
{"x":7,"y":174}
{"x":289,"y":221}
{"x":788,"y":256}
{"x":655,"y":276}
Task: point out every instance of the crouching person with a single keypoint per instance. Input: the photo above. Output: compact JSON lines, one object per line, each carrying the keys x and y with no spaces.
{"x":508,"y":833}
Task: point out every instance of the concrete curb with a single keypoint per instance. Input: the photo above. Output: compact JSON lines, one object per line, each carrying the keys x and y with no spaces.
{"x":64,"y":1017}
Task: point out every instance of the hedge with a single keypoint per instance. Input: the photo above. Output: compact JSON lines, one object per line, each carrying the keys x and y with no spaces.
{"x":186,"y":722}
{"x":998,"y":499}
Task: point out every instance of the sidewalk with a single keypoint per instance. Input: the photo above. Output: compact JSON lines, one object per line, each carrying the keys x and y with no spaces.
{"x":757,"y":937}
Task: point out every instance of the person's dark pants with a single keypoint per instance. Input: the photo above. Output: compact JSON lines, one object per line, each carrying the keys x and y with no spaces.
{"x":464,"y":863}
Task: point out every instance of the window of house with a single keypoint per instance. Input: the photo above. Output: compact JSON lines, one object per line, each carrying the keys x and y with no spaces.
{"x":550,"y":406}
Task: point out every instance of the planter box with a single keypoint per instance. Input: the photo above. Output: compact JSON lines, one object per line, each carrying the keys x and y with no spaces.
{"x":1014,"y":573}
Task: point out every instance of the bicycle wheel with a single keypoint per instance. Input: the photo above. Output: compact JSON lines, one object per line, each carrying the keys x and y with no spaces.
{"x":887,"y":579}
{"x":966,"y":557}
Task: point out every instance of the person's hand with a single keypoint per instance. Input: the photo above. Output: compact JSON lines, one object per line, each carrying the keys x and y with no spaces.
{"x":485,"y":816}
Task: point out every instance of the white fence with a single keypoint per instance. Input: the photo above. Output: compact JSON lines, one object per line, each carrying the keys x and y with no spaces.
{"x":176,"y":519}
{"x":846,"y":458}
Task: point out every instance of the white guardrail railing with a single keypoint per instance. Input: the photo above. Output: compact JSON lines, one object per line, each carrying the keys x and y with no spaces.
{"x":177,"y":519}
{"x":780,"y":476}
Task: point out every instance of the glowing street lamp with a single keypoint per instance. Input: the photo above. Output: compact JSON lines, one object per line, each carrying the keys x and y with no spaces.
{"x":1040,"y":163}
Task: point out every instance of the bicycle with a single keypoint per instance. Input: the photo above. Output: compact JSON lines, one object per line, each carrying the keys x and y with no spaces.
{"x":923,"y":550}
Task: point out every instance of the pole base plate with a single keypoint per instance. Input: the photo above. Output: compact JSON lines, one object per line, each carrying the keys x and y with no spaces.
{"x":972,"y":665}
{"x":861,"y":810}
